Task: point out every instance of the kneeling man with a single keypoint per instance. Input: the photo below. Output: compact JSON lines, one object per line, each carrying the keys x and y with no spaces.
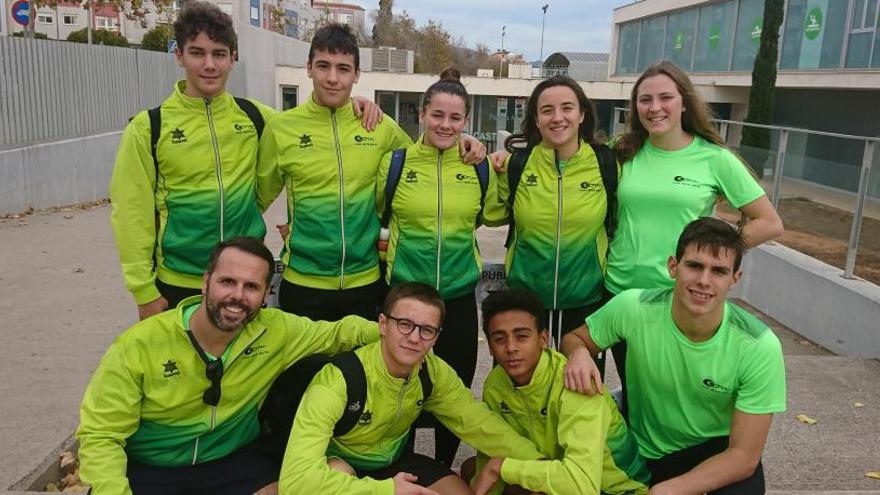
{"x":371,"y":458}
{"x":585,"y":438}
{"x":704,"y":377}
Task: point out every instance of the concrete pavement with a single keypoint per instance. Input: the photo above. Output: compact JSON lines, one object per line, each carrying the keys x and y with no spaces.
{"x":62,"y":302}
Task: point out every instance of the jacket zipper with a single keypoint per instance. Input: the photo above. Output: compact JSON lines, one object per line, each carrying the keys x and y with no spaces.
{"x":526,"y":406}
{"x":559,"y":173}
{"x":400,"y":399}
{"x":439,"y":214}
{"x":341,"y":196}
{"x":217,"y":169}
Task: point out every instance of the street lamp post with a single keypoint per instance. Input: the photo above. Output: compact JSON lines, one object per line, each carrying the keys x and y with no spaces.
{"x":503,"y":53}
{"x":543,"y":18}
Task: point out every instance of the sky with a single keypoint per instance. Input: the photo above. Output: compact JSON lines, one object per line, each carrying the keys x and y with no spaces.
{"x":571,"y":25}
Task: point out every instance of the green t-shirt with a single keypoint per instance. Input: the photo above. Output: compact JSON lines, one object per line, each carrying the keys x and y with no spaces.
{"x":682,"y":393}
{"x":661,"y":192}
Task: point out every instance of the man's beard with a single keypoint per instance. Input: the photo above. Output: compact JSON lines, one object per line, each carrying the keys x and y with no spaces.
{"x":214,"y":314}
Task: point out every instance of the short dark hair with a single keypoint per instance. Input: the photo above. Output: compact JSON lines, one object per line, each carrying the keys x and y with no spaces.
{"x":714,"y":234}
{"x":250,"y":245}
{"x":450,"y":84}
{"x":513,"y":300}
{"x":414,"y":290}
{"x":336,"y":38}
{"x":204,"y":17}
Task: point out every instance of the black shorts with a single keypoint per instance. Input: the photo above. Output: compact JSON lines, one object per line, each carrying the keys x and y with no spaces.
{"x":240,"y":473}
{"x":427,"y":470}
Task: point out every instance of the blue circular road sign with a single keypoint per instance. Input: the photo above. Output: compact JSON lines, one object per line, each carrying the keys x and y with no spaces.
{"x":20,"y":12}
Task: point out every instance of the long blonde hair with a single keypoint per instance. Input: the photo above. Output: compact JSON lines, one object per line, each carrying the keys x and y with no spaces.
{"x":695,"y":121}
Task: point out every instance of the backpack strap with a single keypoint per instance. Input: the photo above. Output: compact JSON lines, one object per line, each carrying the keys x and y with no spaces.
{"x":398,"y":157}
{"x":253,"y":113}
{"x":425,"y":380}
{"x":482,"y":170}
{"x":515,"y":166}
{"x":608,"y":169}
{"x":155,"y":115}
{"x":356,"y":391}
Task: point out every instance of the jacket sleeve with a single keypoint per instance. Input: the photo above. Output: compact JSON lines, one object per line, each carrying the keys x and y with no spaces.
{"x":495,"y":210}
{"x":270,"y":181}
{"x":470,"y":420}
{"x":305,"y":468}
{"x":110,"y":413}
{"x":306,"y":337}
{"x":133,"y":209}
{"x":583,"y":423}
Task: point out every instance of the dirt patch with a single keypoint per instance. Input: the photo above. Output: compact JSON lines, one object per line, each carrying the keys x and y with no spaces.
{"x":822,"y":232}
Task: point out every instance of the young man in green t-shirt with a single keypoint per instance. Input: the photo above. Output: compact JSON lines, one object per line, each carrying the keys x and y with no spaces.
{"x":585,"y":438}
{"x":704,"y":377}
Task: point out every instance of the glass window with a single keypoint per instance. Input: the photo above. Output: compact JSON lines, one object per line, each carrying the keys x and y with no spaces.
{"x":627,"y":46}
{"x":288,"y":97}
{"x":45,"y":19}
{"x":749,"y":23}
{"x":813,"y":34}
{"x":388,"y":103}
{"x":859,"y":49}
{"x":680,"y":34}
{"x":862,"y":36}
{"x":69,"y":19}
{"x":651,"y":42}
{"x":715,"y":37}
{"x":408,"y":113}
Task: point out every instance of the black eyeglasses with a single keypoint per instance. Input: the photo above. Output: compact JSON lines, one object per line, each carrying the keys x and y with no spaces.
{"x":406,"y":327}
{"x":213,"y":370}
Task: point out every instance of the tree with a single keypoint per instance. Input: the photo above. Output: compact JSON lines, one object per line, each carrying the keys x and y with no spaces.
{"x":99,"y":37}
{"x":278,"y":20}
{"x":156,"y":39}
{"x":755,"y":144}
{"x":434,"y":51}
{"x":382,"y":22}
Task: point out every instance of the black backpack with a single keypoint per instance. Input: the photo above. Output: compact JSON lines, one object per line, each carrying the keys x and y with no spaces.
{"x":395,"y":170}
{"x":278,"y":410}
{"x":155,"y":114}
{"x":607,"y":168}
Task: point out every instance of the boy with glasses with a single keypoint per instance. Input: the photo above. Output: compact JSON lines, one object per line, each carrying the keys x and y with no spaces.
{"x":172,"y":408}
{"x":372,"y":456}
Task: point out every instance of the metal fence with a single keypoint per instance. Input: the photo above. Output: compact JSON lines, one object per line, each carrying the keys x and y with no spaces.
{"x":803,"y":162}
{"x":53,"y":90}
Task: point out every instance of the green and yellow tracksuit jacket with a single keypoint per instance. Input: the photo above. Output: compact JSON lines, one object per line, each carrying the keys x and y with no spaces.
{"x":328,"y":163}
{"x":434,"y":216}
{"x":584,"y":437}
{"x":392,"y":405}
{"x":559,"y":244}
{"x":204,"y":192}
{"x":144,"y":401}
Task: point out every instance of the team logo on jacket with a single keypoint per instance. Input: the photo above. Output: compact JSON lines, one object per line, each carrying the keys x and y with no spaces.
{"x":412,"y":176}
{"x":366,"y":418}
{"x":465,"y":179}
{"x":587,"y":187}
{"x":505,"y":409}
{"x":244,"y":128}
{"x":171,"y":369}
{"x":531,"y":180}
{"x":364,"y":140}
{"x":709,"y":384}
{"x":177,"y":136}
{"x":305,"y":141}
{"x":544,"y":411}
{"x":256,"y":350}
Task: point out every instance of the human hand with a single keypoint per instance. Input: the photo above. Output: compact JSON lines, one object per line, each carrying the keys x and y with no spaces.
{"x":488,"y":476}
{"x":151,"y":308}
{"x":581,"y":373}
{"x":472,"y":150}
{"x":497,"y":159}
{"x":404,"y":484}
{"x":368,"y":111}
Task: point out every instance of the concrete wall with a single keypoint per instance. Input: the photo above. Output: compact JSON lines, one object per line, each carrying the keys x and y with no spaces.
{"x":812,"y":297}
{"x":58,"y":173}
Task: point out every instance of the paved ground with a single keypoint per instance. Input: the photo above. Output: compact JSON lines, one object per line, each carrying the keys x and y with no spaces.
{"x":62,"y":302}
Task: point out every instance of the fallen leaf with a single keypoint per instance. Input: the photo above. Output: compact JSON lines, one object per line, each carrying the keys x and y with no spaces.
{"x":803,"y":418}
{"x":78,"y":270}
{"x":858,"y":404}
{"x":873,"y":474}
{"x":68,"y":217}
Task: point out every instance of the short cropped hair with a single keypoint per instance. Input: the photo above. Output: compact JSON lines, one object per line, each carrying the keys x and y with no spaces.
{"x":513,"y":300}
{"x":336,"y":38}
{"x":204,"y":17}
{"x":414,"y":290}
{"x":250,"y":245}
{"x":714,"y":234}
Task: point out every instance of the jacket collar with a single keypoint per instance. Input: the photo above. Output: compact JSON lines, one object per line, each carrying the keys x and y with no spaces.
{"x":374,"y":363}
{"x":246,"y":336}
{"x":222,"y":100}
{"x":345,"y":111}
